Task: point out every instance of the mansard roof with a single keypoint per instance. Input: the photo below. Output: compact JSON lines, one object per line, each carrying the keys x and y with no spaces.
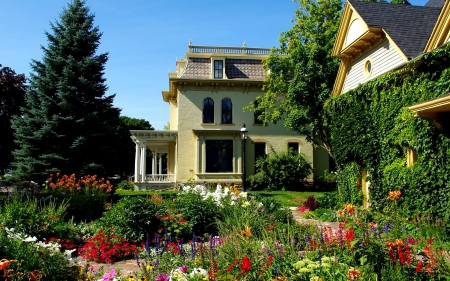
{"x":408,"y":26}
{"x":244,"y":69}
{"x":197,"y":68}
{"x":200,"y":68}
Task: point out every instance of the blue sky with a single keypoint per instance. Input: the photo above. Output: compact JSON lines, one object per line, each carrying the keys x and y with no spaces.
{"x":144,"y":37}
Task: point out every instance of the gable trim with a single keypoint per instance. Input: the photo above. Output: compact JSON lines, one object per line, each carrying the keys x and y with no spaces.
{"x":441,"y":30}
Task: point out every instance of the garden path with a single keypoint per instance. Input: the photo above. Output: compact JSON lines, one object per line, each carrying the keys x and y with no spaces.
{"x":127,"y":267}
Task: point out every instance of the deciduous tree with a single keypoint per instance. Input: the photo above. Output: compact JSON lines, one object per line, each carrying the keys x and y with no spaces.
{"x":302,"y":72}
{"x":12,"y":98}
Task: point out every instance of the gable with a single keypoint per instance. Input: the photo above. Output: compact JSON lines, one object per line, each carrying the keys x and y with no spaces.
{"x":364,"y":25}
{"x":441,"y":31}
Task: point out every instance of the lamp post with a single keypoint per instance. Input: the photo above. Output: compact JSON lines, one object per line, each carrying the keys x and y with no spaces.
{"x":244,"y":133}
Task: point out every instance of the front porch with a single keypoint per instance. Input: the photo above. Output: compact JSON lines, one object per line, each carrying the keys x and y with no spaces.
{"x":161,"y":147}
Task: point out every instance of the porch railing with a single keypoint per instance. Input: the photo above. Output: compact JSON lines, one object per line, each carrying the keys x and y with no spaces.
{"x":160,"y":178}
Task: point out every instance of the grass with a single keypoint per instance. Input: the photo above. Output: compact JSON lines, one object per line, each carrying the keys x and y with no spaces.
{"x":286,"y":198}
{"x":289,"y":198}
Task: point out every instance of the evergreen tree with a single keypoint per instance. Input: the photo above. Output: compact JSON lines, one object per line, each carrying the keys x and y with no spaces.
{"x":68,"y":123}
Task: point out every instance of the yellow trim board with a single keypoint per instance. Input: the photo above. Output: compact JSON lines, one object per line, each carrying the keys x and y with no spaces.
{"x":441,"y":30}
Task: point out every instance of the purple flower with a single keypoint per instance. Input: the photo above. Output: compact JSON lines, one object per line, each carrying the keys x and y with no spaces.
{"x":137,"y":259}
{"x":319,"y":257}
{"x":362,"y":248}
{"x":162,"y":277}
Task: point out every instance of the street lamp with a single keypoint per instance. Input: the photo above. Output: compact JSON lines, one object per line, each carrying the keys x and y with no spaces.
{"x":244,"y":133}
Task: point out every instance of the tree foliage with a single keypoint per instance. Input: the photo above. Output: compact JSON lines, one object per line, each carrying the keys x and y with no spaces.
{"x":68,"y":124}
{"x":126,"y":148}
{"x":302,"y":72}
{"x":12,"y":98}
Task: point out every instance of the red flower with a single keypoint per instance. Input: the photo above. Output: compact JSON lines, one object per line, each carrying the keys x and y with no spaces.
{"x":246,"y":265}
{"x":419,"y":266}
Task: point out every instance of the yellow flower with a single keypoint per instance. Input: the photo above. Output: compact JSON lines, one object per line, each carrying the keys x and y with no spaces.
{"x":205,"y":278}
{"x":247,"y":231}
{"x":150,"y":267}
{"x":130,"y":278}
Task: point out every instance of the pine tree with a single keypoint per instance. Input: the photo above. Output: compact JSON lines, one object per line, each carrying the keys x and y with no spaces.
{"x":68,"y":123}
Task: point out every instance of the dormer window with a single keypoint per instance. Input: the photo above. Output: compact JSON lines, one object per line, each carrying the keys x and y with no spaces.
{"x":218,"y":69}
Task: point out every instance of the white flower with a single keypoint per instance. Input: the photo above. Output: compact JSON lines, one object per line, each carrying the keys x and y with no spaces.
{"x":243,"y":194}
{"x":198,"y":271}
{"x":30,"y":239}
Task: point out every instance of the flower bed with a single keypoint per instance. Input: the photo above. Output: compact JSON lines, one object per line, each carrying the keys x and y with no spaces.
{"x":250,"y":239}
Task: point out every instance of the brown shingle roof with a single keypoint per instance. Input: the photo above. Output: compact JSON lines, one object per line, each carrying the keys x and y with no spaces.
{"x":200,"y":68}
{"x":244,"y":69}
{"x":197,"y":68}
{"x":409,"y":26}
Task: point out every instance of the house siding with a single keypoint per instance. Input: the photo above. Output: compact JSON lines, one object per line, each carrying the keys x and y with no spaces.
{"x":384,"y":57}
{"x":190,"y":146}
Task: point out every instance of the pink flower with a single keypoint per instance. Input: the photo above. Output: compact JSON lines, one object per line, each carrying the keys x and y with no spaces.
{"x":184,"y":268}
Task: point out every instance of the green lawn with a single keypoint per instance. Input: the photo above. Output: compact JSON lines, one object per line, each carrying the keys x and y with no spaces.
{"x":286,"y":198}
{"x":289,"y":198}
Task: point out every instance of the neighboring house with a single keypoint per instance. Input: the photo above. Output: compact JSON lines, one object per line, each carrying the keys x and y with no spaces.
{"x":206,"y":96}
{"x":375,"y":38}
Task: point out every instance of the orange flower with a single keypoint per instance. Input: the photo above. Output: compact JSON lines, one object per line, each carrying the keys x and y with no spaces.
{"x":247,"y":231}
{"x":4,"y":263}
{"x":349,"y":207}
{"x":394,"y":194}
{"x":352,"y":274}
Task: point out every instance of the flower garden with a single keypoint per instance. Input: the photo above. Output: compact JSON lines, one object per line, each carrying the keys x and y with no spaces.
{"x":209,"y":234}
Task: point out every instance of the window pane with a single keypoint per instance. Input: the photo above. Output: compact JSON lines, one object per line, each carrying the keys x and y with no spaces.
{"x":293,"y":146}
{"x":218,"y":68}
{"x":208,"y":111}
{"x":227,"y":111}
{"x":219,"y":156}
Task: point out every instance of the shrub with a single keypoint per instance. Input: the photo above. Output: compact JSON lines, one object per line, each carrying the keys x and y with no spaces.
{"x":201,"y":212}
{"x":35,"y":217}
{"x":329,"y":200}
{"x":311,"y":203}
{"x":126,"y":185}
{"x":133,"y":217}
{"x":281,"y":171}
{"x":325,"y":182}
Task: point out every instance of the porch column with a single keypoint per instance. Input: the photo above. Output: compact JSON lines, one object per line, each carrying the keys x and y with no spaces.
{"x":167,"y":163}
{"x":160,"y":164}
{"x":143,"y":160}
{"x":153,"y":162}
{"x":137,"y":163}
{"x":203,"y":155}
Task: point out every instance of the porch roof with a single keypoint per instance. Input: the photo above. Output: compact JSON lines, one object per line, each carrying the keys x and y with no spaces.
{"x":157,"y":141}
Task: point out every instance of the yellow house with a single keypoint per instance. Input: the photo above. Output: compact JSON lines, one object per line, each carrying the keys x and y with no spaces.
{"x":374,"y":38}
{"x":206,"y":95}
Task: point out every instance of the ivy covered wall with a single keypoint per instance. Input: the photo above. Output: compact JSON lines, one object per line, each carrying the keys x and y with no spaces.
{"x":371,"y":127}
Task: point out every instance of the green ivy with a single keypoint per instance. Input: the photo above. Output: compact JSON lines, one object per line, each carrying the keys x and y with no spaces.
{"x":372,"y":128}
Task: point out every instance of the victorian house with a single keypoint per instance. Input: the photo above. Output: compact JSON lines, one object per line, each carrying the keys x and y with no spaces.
{"x":206,"y":96}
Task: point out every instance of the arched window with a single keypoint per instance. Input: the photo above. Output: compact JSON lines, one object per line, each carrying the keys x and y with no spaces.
{"x":208,"y":111}
{"x":227,"y":111}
